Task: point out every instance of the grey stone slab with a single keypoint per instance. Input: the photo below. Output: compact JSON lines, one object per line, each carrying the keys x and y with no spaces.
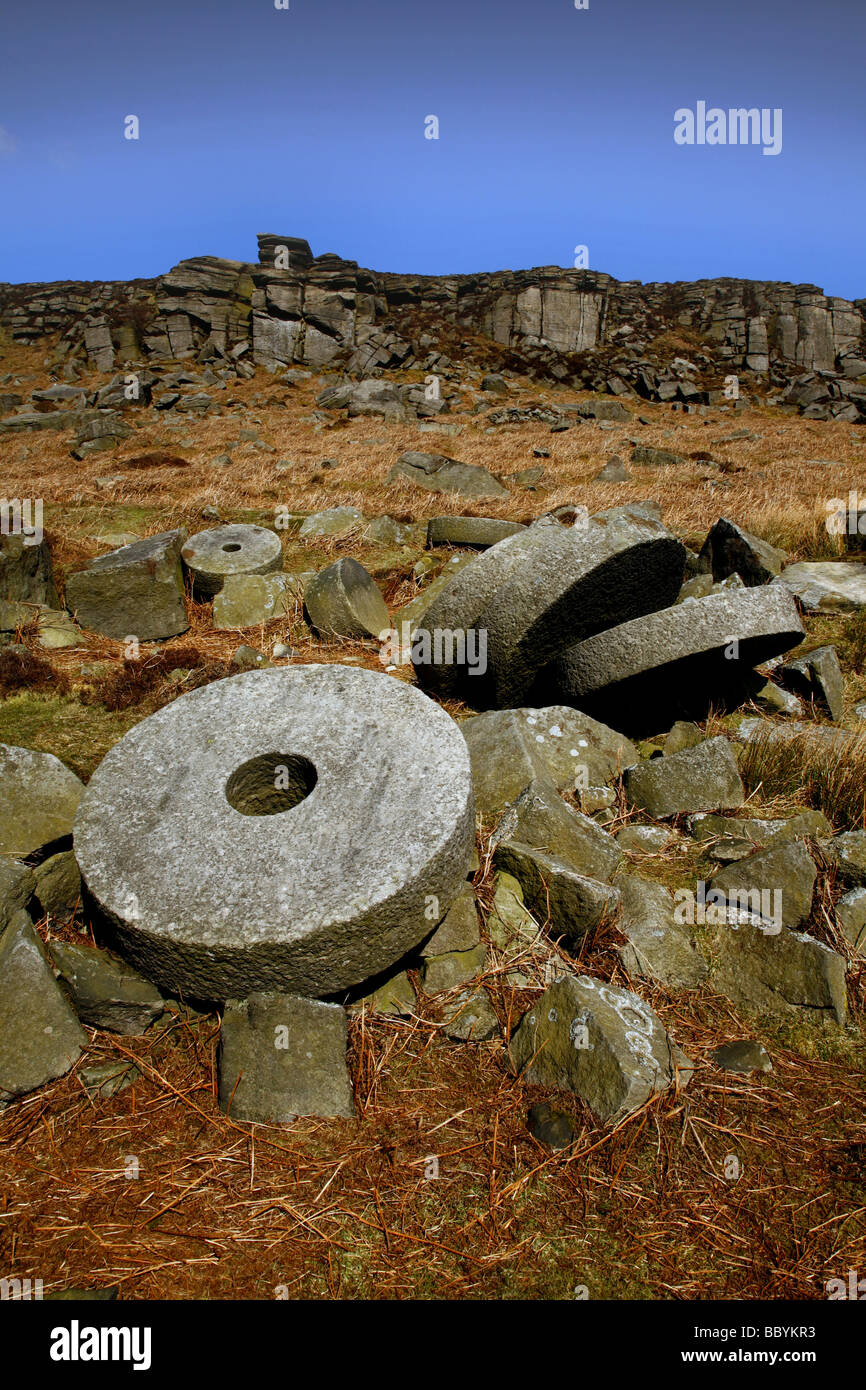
{"x":136,"y":591}
{"x":705,"y":778}
{"x":40,"y":1037}
{"x":281,"y":1057}
{"x":38,"y":799}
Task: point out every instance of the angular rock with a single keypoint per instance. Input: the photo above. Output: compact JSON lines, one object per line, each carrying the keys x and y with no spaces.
{"x":38,"y":800}
{"x":737,"y":838}
{"x":817,"y":676}
{"x":601,"y":1042}
{"x":58,"y":884}
{"x":335,"y":521}
{"x":742,"y":1057}
{"x":781,"y":973}
{"x":681,"y":659}
{"x":135,"y":591}
{"x":570,"y":902}
{"x":728,"y":549}
{"x":104,"y":991}
{"x":785,"y":869}
{"x":212,"y":556}
{"x":26,"y":573}
{"x":659,"y":947}
{"x":396,"y":996}
{"x":647,"y":457}
{"x":40,"y":1037}
{"x":614,"y":471}
{"x":827,"y":586}
{"x":848,"y":852}
{"x":438,"y":473}
{"x":470,"y":1017}
{"x":343,"y":600}
{"x":455,"y":968}
{"x":541,"y":819}
{"x":247,"y":599}
{"x":17,"y":886}
{"x":643,"y":839}
{"x":458,"y":930}
{"x":479,"y":531}
{"x":705,"y":778}
{"x":280,"y":1057}
{"x":851,"y":916}
{"x":195,"y":832}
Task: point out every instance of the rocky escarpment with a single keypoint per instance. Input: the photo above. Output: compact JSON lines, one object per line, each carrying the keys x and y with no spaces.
{"x":577,"y":326}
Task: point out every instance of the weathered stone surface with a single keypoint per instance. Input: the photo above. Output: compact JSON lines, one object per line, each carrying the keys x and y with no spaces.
{"x":645,"y":456}
{"x":742,"y":1056}
{"x":678,"y":659}
{"x":601,"y":1042}
{"x":247,"y":599}
{"x":779,"y":973}
{"x":786,"y":869}
{"x":848,"y":852}
{"x":211,"y":556}
{"x":659,"y":947}
{"x":643,"y":839}
{"x":827,"y":586}
{"x":540,"y":818}
{"x":851,"y":916}
{"x":511,"y":748}
{"x":25,"y":571}
{"x":134,"y":591}
{"x":58,"y":884}
{"x":577,"y":582}
{"x":195,"y":831}
{"x":479,"y":531}
{"x":17,"y":885}
{"x":104,"y":991}
{"x":728,"y":549}
{"x":395,"y":996}
{"x":816,"y":676}
{"x":56,"y":630}
{"x":458,"y":930}
{"x":705,"y":778}
{"x":737,"y":838}
{"x":438,"y":473}
{"x":470,"y":1017}
{"x":281,"y":1057}
{"x":614,"y":471}
{"x":571,"y":902}
{"x":40,"y":1037}
{"x":38,"y":799}
{"x":409,"y":617}
{"x":343,"y":600}
{"x":335,"y":521}
{"x":452,"y":969}
{"x":550,"y":1126}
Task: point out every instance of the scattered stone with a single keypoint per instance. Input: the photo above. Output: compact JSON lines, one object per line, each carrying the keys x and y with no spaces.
{"x":246,"y":658}
{"x":742,"y":1056}
{"x":728,"y":549}
{"x":683,"y":735}
{"x":817,"y":676}
{"x":659,"y":946}
{"x":752,"y":884}
{"x":479,"y":531}
{"x":455,"y":968}
{"x":705,"y":778}
{"x":851,"y":916}
{"x":396,"y":996}
{"x":458,"y":930}
{"x":783,"y":973}
{"x":104,"y":991}
{"x":38,"y":800}
{"x":643,"y":839}
{"x":614,"y":471}
{"x":26,"y":574}
{"x":335,"y":521}
{"x":248,"y":599}
{"x":17,"y":886}
{"x":438,"y":473}
{"x":280,"y":1057}
{"x":495,"y":382}
{"x":343,"y":600}
{"x":212,"y":556}
{"x":194,"y":832}
{"x":550,"y":1126}
{"x":40,"y":1037}
{"x":384,"y":530}
{"x":541,"y":819}
{"x":827,"y":586}
{"x":56,"y":630}
{"x":647,"y":457}
{"x":601,"y":1042}
{"x":134,"y":591}
{"x":848,"y":852}
{"x":58,"y":884}
{"x":570,"y":902}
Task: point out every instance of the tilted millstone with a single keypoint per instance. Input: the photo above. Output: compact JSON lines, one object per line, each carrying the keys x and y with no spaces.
{"x":343,"y":600}
{"x":298,"y":829}
{"x":211,"y":556}
{"x":677,"y":660}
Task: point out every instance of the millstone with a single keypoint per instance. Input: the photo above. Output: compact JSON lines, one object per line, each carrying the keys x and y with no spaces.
{"x":344,"y":600}
{"x":678,"y":659}
{"x":211,"y":556}
{"x":293,"y":830}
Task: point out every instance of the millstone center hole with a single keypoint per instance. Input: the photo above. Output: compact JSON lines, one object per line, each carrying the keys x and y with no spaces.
{"x":232,"y":546}
{"x":270,"y":783}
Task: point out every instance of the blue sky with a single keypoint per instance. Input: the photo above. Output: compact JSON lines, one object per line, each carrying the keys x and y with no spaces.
{"x":555,"y":130}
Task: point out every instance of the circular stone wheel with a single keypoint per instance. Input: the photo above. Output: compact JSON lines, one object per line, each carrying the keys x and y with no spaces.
{"x":294,"y":830}
{"x":211,"y":556}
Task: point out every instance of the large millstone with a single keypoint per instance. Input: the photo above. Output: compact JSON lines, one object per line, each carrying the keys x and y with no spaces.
{"x":679,"y":660}
{"x":211,"y":556}
{"x":293,"y":830}
{"x":521,"y":603}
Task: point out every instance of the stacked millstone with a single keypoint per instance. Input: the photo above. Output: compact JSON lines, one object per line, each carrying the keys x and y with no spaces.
{"x":271,"y":842}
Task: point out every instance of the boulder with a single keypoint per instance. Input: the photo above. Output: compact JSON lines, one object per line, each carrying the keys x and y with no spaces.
{"x":26,"y":574}
{"x":343,"y":600}
{"x":38,"y":800}
{"x":511,"y":748}
{"x":40,"y":1037}
{"x":104,"y":991}
{"x":827,"y":586}
{"x":570,"y":902}
{"x":785,"y":869}
{"x":817,"y":677}
{"x":281,"y":1057}
{"x":17,"y":886}
{"x":728,"y":549}
{"x":458,"y":930}
{"x":601,"y":1042}
{"x":647,"y":457}
{"x":194,"y":834}
{"x":453,"y":969}
{"x":541,"y":819}
{"x":682,"y":659}
{"x":58,"y":884}
{"x":786,"y":973}
{"x":848,"y":853}
{"x":851,"y":916}
{"x":135,"y":591}
{"x":614,"y":471}
{"x":438,"y":473}
{"x":211,"y":556}
{"x":742,"y":1057}
{"x":659,"y":947}
{"x":705,"y":778}
{"x":478,"y":531}
{"x":248,"y":599}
